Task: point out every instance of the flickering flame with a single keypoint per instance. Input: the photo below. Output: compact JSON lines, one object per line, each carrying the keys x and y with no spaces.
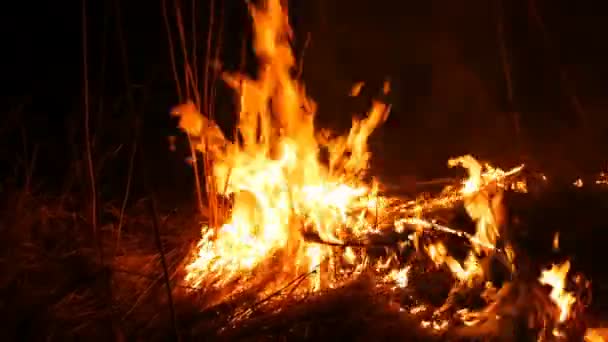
{"x":602,"y":179}
{"x":596,"y":335}
{"x":520,"y":186}
{"x":398,"y":276}
{"x":483,"y":192}
{"x":556,"y":278}
{"x":293,"y":215}
{"x":578,"y":183}
{"x":439,"y":255}
{"x":356,"y":89}
{"x":280,"y":187}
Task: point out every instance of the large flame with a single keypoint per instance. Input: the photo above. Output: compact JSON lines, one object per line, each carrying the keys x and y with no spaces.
{"x":273,"y":169}
{"x":281,"y":188}
{"x":293,"y":214}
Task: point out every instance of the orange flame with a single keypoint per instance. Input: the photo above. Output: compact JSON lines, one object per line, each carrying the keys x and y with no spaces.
{"x":556,"y":278}
{"x":279,"y":185}
{"x":282,"y":192}
{"x":596,"y":335}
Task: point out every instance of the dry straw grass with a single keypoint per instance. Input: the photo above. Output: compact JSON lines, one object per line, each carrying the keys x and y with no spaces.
{"x":55,"y":288}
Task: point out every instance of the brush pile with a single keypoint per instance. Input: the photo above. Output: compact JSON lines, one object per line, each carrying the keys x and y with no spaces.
{"x":310,"y":246}
{"x":55,"y":287}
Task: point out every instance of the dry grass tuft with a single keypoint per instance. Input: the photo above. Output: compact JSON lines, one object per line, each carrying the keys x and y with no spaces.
{"x":54,"y":287}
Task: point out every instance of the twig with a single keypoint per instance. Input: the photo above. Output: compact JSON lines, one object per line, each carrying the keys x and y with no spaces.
{"x":156,"y":224}
{"x":193,"y":14}
{"x":86,"y":124}
{"x":191,"y":86}
{"x":29,"y":170}
{"x":171,"y":52}
{"x":225,"y":190}
{"x":206,"y":94}
{"x":506,"y":67}
{"x":314,"y":238}
{"x":445,"y":229}
{"x":216,"y":70}
{"x":301,"y":64}
{"x":131,"y":104}
{"x":243,"y":59}
{"x":296,"y":281}
{"x":574,"y":100}
{"x":208,"y":105}
{"x":89,"y":153}
{"x":126,"y":197}
{"x":151,"y":277}
{"x":437,"y":181}
{"x":197,"y":180}
{"x":154,"y":280}
{"x":182,"y":40}
{"x":104,"y":60}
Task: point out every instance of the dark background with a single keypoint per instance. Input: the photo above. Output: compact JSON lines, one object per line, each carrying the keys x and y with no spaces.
{"x":449,"y":94}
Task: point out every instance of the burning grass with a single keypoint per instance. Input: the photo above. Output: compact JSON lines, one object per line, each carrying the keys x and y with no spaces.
{"x":54,"y":286}
{"x":309,"y":248}
{"x":295,"y":216}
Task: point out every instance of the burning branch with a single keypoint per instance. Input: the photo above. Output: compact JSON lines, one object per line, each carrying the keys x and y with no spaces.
{"x":295,"y":219}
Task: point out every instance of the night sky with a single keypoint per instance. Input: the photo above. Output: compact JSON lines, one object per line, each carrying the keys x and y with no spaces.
{"x":442,"y":57}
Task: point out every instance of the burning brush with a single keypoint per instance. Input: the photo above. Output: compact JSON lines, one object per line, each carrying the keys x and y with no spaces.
{"x":322,"y":224}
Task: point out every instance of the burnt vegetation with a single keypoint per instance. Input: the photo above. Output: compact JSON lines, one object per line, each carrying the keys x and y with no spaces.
{"x":100,"y":211}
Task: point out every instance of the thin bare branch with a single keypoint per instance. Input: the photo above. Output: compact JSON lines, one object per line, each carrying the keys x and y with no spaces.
{"x":131,"y":104}
{"x":507,"y":71}
{"x":89,"y":152}
{"x":171,"y":49}
{"x":565,"y":84}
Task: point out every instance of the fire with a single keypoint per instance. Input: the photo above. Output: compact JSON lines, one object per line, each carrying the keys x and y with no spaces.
{"x":483,"y":203}
{"x":602,"y":179}
{"x":556,"y":278}
{"x":294,"y":215}
{"x":399,"y":277}
{"x":273,"y":170}
{"x":282,"y":189}
{"x":596,"y":335}
{"x":556,"y":241}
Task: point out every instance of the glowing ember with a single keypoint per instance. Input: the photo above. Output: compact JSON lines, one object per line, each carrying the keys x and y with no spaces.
{"x":602,"y":179}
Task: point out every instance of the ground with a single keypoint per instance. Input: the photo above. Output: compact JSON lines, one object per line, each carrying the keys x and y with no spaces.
{"x":56,"y":286}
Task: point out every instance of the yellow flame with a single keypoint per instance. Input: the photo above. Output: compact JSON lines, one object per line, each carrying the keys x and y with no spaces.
{"x":483,"y":192}
{"x":284,"y":197}
{"x":398,"y":276}
{"x":273,"y":170}
{"x":596,"y":335}
{"x":438,"y":253}
{"x":556,"y":278}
